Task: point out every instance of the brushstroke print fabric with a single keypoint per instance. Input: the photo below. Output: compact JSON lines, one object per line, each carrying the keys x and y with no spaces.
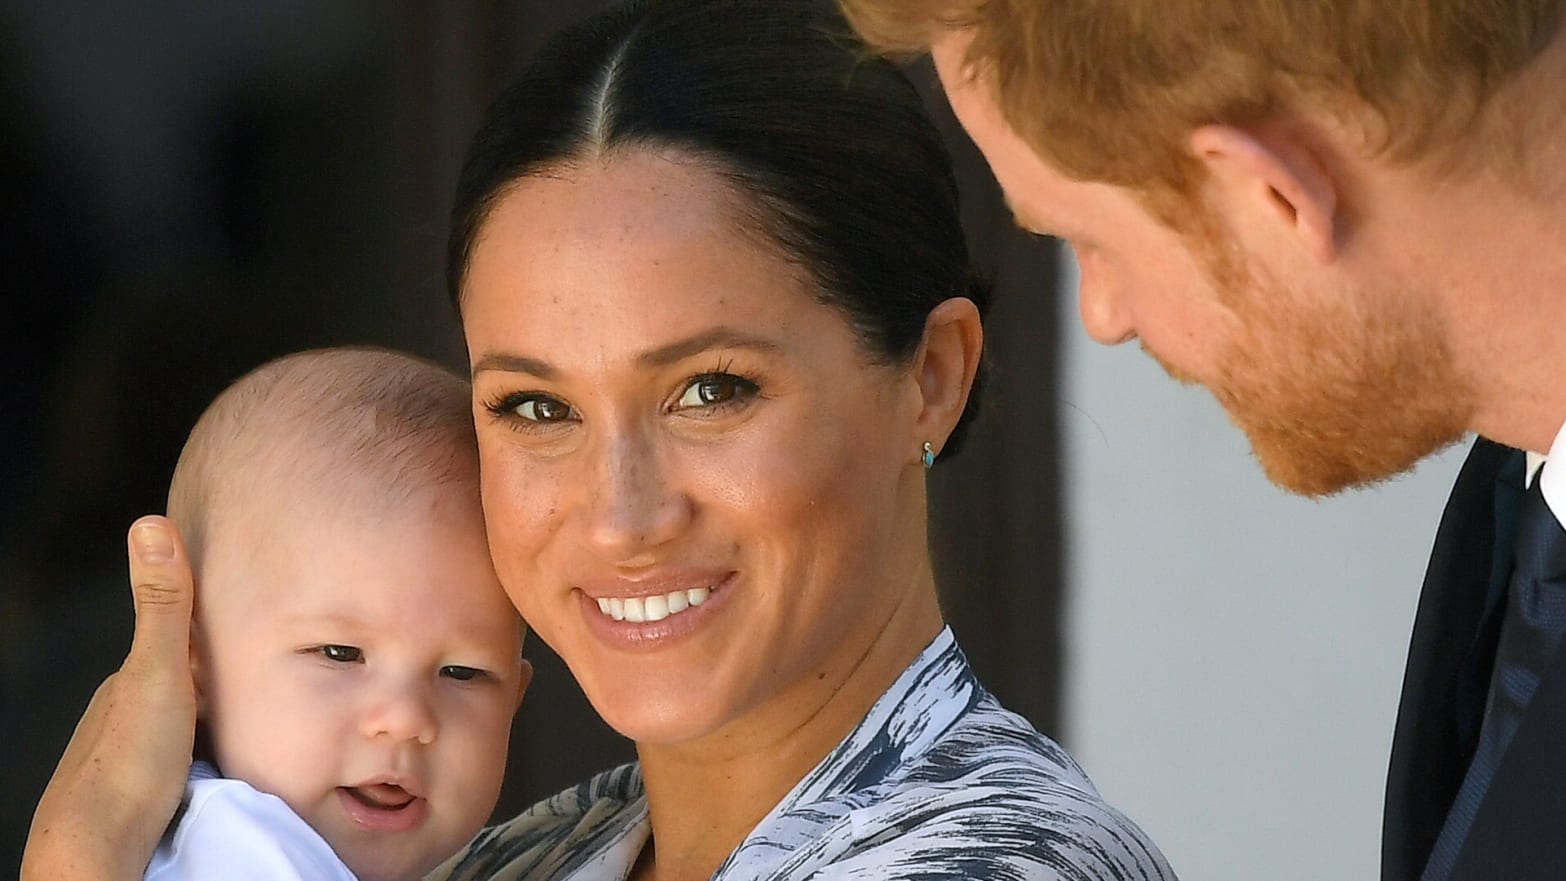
{"x":938,"y":782}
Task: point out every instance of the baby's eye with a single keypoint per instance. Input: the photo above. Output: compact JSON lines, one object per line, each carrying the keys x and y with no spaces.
{"x":343,"y":654}
{"x":461,"y":673}
{"x":712,"y":389}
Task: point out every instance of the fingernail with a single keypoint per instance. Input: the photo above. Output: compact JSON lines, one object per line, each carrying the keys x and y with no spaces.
{"x":152,"y":543}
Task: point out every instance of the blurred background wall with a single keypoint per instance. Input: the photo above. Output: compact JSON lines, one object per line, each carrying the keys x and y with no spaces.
{"x":189,"y":188}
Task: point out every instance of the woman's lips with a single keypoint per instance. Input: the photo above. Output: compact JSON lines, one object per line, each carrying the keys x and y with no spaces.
{"x":382,"y":807}
{"x":646,"y":615}
{"x":652,"y":608}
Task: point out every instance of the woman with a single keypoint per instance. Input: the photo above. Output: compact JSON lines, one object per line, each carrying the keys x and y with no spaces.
{"x":721,"y":319}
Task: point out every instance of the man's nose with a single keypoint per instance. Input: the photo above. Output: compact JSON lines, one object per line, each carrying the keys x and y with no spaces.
{"x":1104,"y":313}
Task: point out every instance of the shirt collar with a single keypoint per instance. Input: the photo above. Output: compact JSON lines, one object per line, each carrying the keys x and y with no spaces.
{"x":1552,"y":481}
{"x":1535,"y":462}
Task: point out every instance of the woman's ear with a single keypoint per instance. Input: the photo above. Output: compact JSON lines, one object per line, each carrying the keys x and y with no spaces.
{"x":1273,"y":178}
{"x":943,"y":370}
{"x":524,"y":678}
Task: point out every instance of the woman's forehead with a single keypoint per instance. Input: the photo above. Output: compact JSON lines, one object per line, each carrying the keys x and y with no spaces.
{"x":631,"y":255}
{"x":625,"y":196}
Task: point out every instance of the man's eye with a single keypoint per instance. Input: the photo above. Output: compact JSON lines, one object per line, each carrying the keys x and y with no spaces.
{"x":343,"y":654}
{"x":715,"y":388}
{"x":460,"y":673}
{"x":539,"y":409}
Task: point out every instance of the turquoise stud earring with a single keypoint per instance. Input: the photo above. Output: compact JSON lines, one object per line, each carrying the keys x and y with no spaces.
{"x":928,"y":457}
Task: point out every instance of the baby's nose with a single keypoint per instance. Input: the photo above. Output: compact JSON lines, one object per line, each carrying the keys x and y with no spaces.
{"x":402,"y":713}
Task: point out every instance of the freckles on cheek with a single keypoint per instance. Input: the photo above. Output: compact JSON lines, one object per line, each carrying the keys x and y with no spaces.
{"x":808,"y":488}
{"x":769,"y":480}
{"x":514,"y":494}
{"x":522,"y":509}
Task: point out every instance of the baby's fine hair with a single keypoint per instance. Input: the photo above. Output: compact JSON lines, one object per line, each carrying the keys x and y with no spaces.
{"x":356,"y":425}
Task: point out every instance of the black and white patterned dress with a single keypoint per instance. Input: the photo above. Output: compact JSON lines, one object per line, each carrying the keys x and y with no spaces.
{"x":938,"y":781}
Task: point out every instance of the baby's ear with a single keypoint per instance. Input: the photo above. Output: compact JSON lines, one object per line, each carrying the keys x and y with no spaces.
{"x":198,"y":668}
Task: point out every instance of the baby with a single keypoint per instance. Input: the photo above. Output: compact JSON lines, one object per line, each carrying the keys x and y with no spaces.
{"x":357,"y":664}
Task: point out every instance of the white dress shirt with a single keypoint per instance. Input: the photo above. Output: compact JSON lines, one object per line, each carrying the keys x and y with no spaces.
{"x":1553,"y":483}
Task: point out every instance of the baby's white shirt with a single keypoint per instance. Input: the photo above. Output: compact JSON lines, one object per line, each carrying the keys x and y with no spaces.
{"x":230,"y":830}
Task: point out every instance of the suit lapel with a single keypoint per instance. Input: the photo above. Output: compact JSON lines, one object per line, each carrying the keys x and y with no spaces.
{"x":1519,"y":833}
{"x":1429,"y":754}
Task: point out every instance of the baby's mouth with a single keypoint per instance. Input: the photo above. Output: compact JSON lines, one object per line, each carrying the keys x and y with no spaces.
{"x":384,"y":806}
{"x":381,"y":796}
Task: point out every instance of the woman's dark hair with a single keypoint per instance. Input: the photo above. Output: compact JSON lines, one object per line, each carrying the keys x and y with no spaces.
{"x":831,"y":146}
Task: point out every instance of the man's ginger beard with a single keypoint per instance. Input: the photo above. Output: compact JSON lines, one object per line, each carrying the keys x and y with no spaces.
{"x":1336,"y":393}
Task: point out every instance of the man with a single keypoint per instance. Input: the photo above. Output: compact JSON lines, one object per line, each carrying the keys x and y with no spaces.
{"x":1346,"y":220}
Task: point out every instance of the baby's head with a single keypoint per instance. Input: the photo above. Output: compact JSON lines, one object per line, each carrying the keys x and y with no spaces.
{"x":354,"y":653}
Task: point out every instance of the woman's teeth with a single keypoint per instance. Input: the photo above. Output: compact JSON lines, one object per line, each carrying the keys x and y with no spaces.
{"x":653,"y":608}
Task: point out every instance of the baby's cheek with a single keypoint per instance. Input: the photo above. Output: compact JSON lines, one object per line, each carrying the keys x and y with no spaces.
{"x":283,"y":738}
{"x":479,"y":762}
{"x":239,"y":741}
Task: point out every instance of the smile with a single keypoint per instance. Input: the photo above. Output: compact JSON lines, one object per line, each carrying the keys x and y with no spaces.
{"x":652,"y":608}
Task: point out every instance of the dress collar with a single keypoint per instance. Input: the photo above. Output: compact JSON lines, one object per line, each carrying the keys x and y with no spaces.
{"x":930,"y":696}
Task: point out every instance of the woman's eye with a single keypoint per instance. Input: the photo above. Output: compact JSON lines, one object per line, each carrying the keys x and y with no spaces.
{"x":342,"y":654}
{"x":460,"y":673}
{"x":715,"y":388}
{"x":541,"y":409}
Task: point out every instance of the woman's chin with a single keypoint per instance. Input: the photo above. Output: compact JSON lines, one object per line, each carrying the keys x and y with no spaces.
{"x":657,"y":713}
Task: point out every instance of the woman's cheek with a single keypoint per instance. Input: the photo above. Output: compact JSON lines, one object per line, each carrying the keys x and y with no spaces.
{"x":521,"y":506}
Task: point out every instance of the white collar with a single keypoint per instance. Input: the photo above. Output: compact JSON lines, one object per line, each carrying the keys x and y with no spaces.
{"x":1552,"y":484}
{"x":1535,"y":462}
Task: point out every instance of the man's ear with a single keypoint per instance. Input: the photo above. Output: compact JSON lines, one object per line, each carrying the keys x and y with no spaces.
{"x":1257,"y":176}
{"x":943,"y":370}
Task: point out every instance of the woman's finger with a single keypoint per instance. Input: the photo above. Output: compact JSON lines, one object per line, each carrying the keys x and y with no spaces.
{"x":162,"y":590}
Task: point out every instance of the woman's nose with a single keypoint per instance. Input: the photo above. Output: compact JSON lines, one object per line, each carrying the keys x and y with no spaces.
{"x":1104,"y":313}
{"x":401,"y":712}
{"x":635,"y":506}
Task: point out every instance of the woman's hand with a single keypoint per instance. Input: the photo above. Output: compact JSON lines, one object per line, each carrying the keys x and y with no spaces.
{"x":123,"y":773}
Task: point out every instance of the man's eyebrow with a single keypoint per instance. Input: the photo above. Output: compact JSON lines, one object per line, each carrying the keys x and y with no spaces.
{"x":716,"y":338}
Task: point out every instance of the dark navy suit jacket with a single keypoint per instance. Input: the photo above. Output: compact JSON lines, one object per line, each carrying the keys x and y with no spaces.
{"x":1520,"y":831}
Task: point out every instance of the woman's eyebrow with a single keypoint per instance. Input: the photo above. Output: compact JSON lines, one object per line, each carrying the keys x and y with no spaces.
{"x":513,"y":364}
{"x":716,"y":338}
